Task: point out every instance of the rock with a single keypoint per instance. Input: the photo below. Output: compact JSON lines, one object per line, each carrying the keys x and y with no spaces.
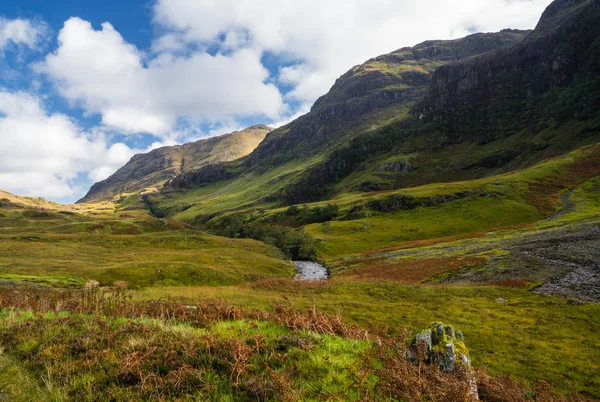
{"x":501,"y":300}
{"x":440,"y":344}
{"x":443,"y":345}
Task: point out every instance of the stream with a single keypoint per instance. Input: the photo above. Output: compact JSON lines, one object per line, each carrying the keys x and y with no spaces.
{"x":310,"y":271}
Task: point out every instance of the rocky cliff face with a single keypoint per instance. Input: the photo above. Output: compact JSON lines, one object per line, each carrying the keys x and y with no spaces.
{"x":373,"y":92}
{"x":160,"y":165}
{"x":564,"y":45}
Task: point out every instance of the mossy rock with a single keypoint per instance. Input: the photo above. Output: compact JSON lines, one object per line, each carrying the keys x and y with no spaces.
{"x":440,"y":344}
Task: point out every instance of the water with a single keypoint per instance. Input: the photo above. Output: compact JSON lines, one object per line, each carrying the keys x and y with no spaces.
{"x":310,"y":271}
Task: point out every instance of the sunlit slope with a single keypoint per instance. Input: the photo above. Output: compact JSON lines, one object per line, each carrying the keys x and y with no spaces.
{"x":153,"y":169}
{"x":121,"y":241}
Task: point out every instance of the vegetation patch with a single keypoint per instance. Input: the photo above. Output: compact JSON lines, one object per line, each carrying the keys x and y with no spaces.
{"x":89,"y":347}
{"x":416,"y":271}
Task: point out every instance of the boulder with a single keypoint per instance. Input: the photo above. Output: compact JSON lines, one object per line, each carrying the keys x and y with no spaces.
{"x":440,"y":344}
{"x":443,"y":345}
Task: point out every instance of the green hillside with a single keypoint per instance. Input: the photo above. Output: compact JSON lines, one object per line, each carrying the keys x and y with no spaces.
{"x":454,"y":181}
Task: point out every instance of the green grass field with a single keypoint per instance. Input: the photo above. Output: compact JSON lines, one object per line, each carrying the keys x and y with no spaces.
{"x":385,"y":265}
{"x":143,"y":252}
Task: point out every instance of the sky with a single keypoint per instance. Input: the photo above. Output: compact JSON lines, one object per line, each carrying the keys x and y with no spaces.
{"x":85,"y":85}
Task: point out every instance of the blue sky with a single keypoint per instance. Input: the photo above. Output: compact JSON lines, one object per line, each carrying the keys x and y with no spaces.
{"x":84,"y":85}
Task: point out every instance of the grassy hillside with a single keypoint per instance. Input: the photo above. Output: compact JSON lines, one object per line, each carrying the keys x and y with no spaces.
{"x":119,"y":241}
{"x":436,"y":252}
{"x":8,"y":200}
{"x":58,"y":347}
{"x":434,"y":185}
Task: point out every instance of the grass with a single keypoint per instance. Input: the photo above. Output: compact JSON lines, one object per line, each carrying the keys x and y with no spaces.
{"x":138,"y":249}
{"x":53,"y":281}
{"x":510,"y":200}
{"x":383,"y":266}
{"x":144,"y":260}
{"x":84,"y":357}
{"x":246,"y":190}
{"x":345,"y":238}
{"x":532,"y":337}
{"x":59,"y":350}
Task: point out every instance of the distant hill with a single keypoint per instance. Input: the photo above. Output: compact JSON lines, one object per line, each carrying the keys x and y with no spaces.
{"x":153,"y":169}
{"x":9,"y":200}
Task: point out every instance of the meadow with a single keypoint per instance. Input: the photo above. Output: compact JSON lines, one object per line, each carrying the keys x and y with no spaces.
{"x":398,"y":260}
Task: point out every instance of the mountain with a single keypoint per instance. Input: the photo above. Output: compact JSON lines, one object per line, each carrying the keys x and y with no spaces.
{"x":380,"y":90}
{"x":153,"y":169}
{"x":371,"y":95}
{"x":441,"y":111}
{"x":484,"y":115}
{"x":560,"y":61}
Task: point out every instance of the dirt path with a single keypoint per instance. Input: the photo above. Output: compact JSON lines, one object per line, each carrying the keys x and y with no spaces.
{"x":567,"y":206}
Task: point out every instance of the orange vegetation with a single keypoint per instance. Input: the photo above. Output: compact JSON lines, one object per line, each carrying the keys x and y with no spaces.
{"x":415,"y":271}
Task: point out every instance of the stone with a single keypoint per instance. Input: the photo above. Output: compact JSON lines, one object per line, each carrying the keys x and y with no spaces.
{"x":444,"y":345}
{"x":440,"y":344}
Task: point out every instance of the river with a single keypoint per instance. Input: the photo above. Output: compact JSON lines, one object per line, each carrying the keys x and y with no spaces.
{"x":310,"y":271}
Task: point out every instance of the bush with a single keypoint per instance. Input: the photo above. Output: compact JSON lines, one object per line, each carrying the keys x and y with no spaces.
{"x":306,"y":215}
{"x":296,"y":244}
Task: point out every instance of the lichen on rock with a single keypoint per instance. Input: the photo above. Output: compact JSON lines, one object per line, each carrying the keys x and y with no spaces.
{"x":440,"y":344}
{"x":443,"y":345}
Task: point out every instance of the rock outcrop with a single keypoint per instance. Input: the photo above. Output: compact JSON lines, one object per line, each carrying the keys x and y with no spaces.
{"x":440,"y":344}
{"x":443,"y":345}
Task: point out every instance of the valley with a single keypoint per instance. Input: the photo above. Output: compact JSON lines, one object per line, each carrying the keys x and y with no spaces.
{"x":448,"y":191}
{"x":470,"y":259}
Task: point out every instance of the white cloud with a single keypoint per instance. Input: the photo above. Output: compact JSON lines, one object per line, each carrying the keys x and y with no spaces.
{"x":180,"y":84}
{"x":104,"y":74}
{"x":43,"y":153}
{"x":177,"y":86}
{"x":20,"y":32}
{"x":329,"y":37}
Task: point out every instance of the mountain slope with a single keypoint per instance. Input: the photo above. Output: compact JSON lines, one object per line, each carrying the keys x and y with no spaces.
{"x":371,"y":95}
{"x":381,"y":89}
{"x":485,"y":115}
{"x":382,"y":126}
{"x":160,"y":165}
{"x":562,"y":53}
{"x":9,"y":200}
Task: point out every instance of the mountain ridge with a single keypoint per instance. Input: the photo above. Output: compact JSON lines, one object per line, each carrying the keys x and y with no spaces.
{"x":381,"y":89}
{"x":154,"y":168}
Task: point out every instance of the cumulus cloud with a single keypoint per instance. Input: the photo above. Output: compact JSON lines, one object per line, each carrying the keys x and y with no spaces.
{"x":327,"y":38}
{"x":101,"y":72}
{"x":43,"y":153}
{"x":179,"y":83}
{"x":20,"y":32}
{"x":207,"y":69}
